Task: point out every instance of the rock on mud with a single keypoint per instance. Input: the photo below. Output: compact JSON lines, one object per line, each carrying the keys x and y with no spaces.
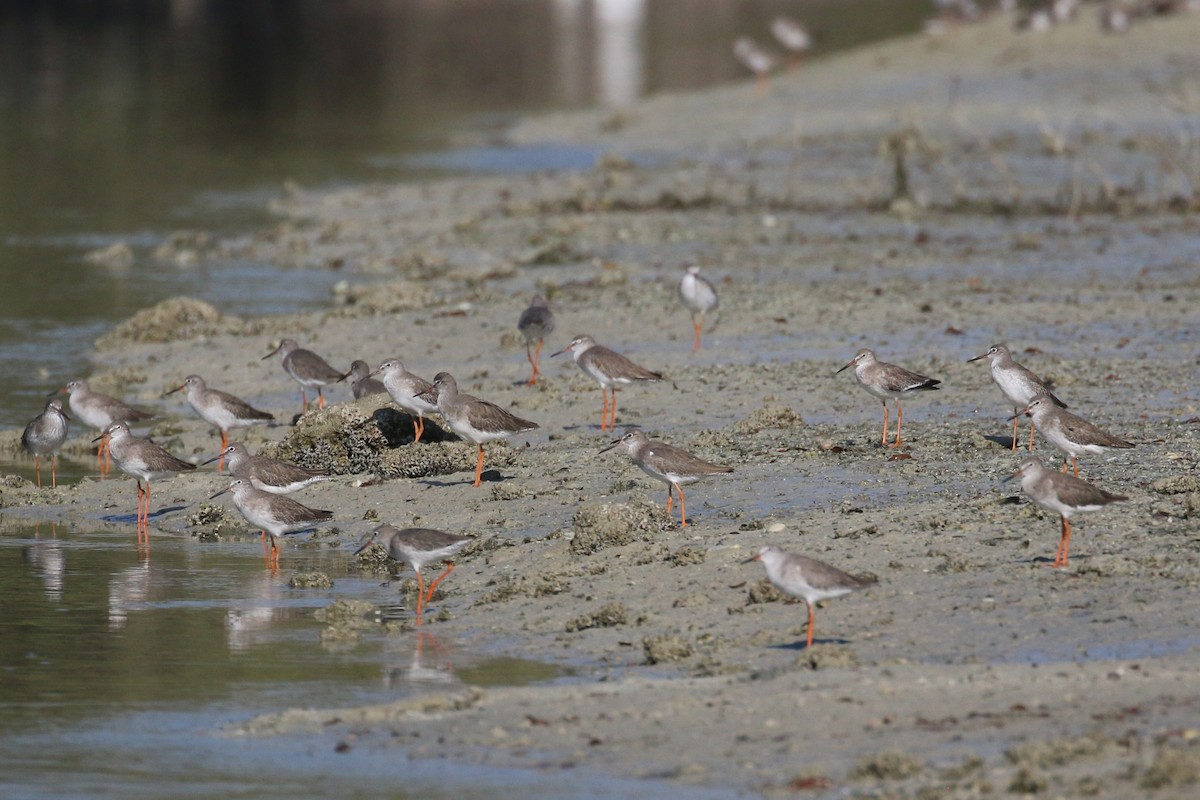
{"x":169,"y":321}
{"x":601,"y":525}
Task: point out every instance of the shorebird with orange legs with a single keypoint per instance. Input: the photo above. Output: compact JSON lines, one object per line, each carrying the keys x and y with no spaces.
{"x":98,"y":411}
{"x":535,"y":324}
{"x":417,"y":547}
{"x":671,"y":465}
{"x":888,"y":382}
{"x":220,"y":409}
{"x":144,"y":460}
{"x":610,"y":369}
{"x":275,"y":514}
{"x":808,"y":578}
{"x":44,"y":435}
{"x":1063,"y":494}
{"x":1072,"y":435}
{"x":473,"y":419}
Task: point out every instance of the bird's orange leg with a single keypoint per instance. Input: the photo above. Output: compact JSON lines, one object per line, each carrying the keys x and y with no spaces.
{"x":320,"y":398}
{"x":899,"y":422}
{"x":696,"y":324}
{"x":1064,"y":545}
{"x":418,"y":428}
{"x":420,"y":597}
{"x":1016,"y":422}
{"x":682,"y":507}
{"x":1030,"y":448}
{"x":37,"y":467}
{"x":612,"y":411}
{"x":604,"y":408}
{"x":885,"y":422}
{"x":670,"y":498}
{"x":479,"y":465}
{"x":812,"y":622}
{"x":533,"y":361}
{"x":54,"y":471}
{"x":432,"y":586}
{"x":1075,"y":463}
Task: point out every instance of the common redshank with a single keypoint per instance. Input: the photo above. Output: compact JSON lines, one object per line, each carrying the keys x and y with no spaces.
{"x":1017,"y":383}
{"x":361,"y":382}
{"x":813,"y":580}
{"x":535,"y":324}
{"x":1070,"y":434}
{"x":671,"y":465}
{"x":410,"y":392}
{"x":794,"y":37}
{"x":145,"y":461}
{"x":1064,"y":494}
{"x":44,"y":435}
{"x":220,"y":409}
{"x":888,"y":381}
{"x":98,"y":411}
{"x":610,"y":369}
{"x":275,"y":514}
{"x":417,"y":547}
{"x":751,"y":55}
{"x":473,"y":419}
{"x":268,"y":474}
{"x":700,"y":297}
{"x":307,"y":369}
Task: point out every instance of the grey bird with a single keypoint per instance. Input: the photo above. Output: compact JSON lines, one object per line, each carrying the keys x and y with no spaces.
{"x":1063,"y":494}
{"x":411,"y":392}
{"x":267,"y":474}
{"x":1070,"y":434}
{"x":361,"y":382}
{"x":220,"y":409}
{"x":535,"y":324}
{"x":1018,"y":385}
{"x":145,"y":461}
{"x":813,"y":580}
{"x":700,"y":297}
{"x":671,"y":465}
{"x":44,"y":435}
{"x":888,"y":382}
{"x":307,"y":369}
{"x":610,"y":369}
{"x":98,"y":411}
{"x":473,"y":419}
{"x":274,"y":514}
{"x":417,"y":547}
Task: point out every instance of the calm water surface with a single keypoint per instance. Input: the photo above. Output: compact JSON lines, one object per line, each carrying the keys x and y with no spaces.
{"x":124,"y":121}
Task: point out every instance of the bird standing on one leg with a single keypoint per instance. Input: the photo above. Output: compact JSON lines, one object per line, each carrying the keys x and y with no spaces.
{"x":1063,"y":494}
{"x":700,"y":297}
{"x":535,"y":324}
{"x":813,"y":580}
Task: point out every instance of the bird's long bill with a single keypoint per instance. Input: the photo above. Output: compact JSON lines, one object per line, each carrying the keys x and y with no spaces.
{"x":612,"y":444}
{"x":560,"y":352}
{"x":273,"y":352}
{"x":178,"y":388}
{"x":1020,"y":413}
{"x":751,"y":559}
{"x":976,"y":358}
{"x":846,"y":366}
{"x":57,"y":392}
{"x":366,"y":542}
{"x":101,"y":436}
{"x":218,"y":494}
{"x":214,"y":458}
{"x":346,"y":375}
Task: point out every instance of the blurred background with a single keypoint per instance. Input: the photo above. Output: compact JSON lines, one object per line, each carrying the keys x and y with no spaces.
{"x":126,"y":120}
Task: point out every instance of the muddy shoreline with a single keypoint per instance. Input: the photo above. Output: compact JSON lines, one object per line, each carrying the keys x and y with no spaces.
{"x":1045,"y":202}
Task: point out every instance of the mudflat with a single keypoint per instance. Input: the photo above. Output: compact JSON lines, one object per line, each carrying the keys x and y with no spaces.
{"x":924,"y":198}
